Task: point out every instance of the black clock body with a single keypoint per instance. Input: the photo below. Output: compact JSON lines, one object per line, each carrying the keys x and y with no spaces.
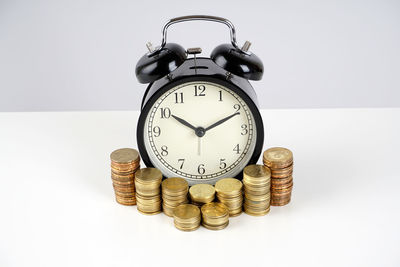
{"x":200,"y":69}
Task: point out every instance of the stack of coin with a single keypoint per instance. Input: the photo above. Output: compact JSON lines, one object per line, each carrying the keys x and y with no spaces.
{"x":174,"y":193}
{"x":201,"y":194}
{"x":215,"y":215}
{"x":148,"y":197}
{"x":256,"y":180}
{"x":187,"y":217}
{"x":124,"y":163}
{"x":280,"y":162}
{"x":229,"y":192}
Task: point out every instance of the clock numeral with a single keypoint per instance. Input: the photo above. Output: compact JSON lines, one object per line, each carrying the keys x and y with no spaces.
{"x":244,"y":129}
{"x":201,"y":169}
{"x":222,"y":164}
{"x":156,"y":131}
{"x":237,"y":107}
{"x":199,"y":90}
{"x":164,"y":151}
{"x":178,"y":98}
{"x":237,"y":149}
{"x":181,"y":161}
{"x":220,"y":95}
{"x":165,"y":113}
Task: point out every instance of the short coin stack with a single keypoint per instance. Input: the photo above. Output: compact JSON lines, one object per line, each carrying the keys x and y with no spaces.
{"x":124,"y":163}
{"x":215,"y":215}
{"x":229,"y":191}
{"x":256,"y":180}
{"x":201,"y":194}
{"x":187,"y":217}
{"x":147,"y":182}
{"x":280,"y":162}
{"x":174,"y":193}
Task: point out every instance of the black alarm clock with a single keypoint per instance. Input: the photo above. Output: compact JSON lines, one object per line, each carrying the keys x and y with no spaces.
{"x":199,"y":116}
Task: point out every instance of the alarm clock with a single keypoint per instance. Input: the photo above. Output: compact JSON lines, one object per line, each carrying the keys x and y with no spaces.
{"x":199,"y":116}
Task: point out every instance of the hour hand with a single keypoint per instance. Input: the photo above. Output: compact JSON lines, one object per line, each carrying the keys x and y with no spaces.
{"x":184,"y":122}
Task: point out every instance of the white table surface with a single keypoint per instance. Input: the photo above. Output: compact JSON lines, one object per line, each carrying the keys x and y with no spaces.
{"x":57,"y":203}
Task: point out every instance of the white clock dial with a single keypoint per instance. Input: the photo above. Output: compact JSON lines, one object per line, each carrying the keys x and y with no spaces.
{"x":200,"y":131}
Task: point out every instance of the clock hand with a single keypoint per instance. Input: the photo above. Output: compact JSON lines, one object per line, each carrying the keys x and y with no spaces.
{"x":221,"y":121}
{"x":198,"y":145}
{"x":184,"y":122}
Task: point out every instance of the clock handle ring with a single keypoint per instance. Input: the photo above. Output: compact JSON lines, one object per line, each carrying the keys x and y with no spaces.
{"x":203,"y":18}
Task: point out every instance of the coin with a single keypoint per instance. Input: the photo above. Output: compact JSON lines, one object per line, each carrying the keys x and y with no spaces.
{"x":255,"y":213}
{"x":174,"y":193}
{"x":215,"y":215}
{"x":256,"y":173}
{"x":280,"y":160}
{"x":147,"y":184}
{"x":217,"y":227}
{"x":229,"y":192}
{"x":281,"y":181}
{"x":124,"y":155}
{"x":187,"y":217}
{"x":175,"y":186}
{"x":202,"y":193}
{"x":278,"y":157}
{"x":124,"y":163}
{"x":257,"y":184}
{"x":148,"y":175}
{"x":228,"y":186}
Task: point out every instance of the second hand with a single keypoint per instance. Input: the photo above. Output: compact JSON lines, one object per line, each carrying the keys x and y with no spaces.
{"x":198,"y":145}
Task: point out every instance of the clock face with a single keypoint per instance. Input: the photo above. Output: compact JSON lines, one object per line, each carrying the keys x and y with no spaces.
{"x":200,"y":131}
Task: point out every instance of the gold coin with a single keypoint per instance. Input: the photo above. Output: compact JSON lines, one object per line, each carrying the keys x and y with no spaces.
{"x":202,"y":193}
{"x":256,"y":171}
{"x":124,"y":155}
{"x":149,"y":212}
{"x":213,"y":227}
{"x":148,"y":175}
{"x":278,"y":157}
{"x":186,"y":212}
{"x":175,"y":184}
{"x":187,"y":229}
{"x":256,"y":213}
{"x":214,"y":210}
{"x":228,"y":186}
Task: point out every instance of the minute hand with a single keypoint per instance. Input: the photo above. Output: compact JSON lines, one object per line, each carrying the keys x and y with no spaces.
{"x":221,"y":121}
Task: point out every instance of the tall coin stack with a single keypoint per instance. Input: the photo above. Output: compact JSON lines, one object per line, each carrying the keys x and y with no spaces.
{"x":201,"y":194}
{"x":148,"y":197}
{"x":187,"y":217}
{"x":256,"y":180}
{"x":174,"y":193}
{"x":124,"y":163}
{"x":229,"y":192}
{"x":215,"y":215}
{"x":280,"y":162}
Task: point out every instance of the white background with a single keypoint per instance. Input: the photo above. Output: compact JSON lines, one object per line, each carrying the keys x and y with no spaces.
{"x":57,"y":203}
{"x":81,"y":55}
